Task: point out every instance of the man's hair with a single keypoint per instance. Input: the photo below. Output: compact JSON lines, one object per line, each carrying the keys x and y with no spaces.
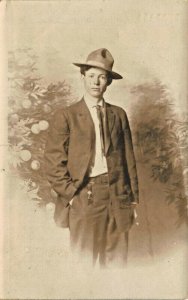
{"x":83,"y":69}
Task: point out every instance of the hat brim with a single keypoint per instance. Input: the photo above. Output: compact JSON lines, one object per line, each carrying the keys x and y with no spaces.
{"x":113,"y":74}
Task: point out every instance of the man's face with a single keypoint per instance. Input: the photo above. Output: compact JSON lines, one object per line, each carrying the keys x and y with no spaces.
{"x":95,"y":82}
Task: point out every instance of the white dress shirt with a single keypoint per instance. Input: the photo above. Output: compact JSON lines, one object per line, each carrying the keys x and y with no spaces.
{"x":99,"y":165}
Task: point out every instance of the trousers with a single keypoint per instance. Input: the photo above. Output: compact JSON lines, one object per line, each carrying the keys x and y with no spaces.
{"x":93,"y":229}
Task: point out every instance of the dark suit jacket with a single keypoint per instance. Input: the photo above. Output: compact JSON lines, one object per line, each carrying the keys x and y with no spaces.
{"x":69,"y":150}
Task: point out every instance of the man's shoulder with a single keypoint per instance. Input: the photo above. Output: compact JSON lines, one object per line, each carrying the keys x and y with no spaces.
{"x":64,"y":110}
{"x":116,"y":109}
{"x":76,"y":104}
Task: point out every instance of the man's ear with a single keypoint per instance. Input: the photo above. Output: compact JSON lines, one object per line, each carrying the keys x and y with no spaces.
{"x":82,"y":76}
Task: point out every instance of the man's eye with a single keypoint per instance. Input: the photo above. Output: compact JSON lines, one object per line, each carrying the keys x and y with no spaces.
{"x":104,"y":77}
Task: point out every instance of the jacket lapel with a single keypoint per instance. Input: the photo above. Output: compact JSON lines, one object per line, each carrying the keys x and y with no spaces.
{"x":86,"y":119}
{"x":110,"y":117}
{"x":109,"y":124}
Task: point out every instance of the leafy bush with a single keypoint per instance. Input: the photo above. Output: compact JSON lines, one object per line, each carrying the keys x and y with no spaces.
{"x":162,"y":141}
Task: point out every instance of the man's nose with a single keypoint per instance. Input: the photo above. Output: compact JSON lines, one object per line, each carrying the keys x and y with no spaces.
{"x":96,"y":81}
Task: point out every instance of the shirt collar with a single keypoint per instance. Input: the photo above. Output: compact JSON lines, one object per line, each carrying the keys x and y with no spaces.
{"x":92,"y":104}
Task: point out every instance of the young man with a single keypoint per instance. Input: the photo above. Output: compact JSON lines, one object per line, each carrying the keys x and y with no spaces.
{"x":90,"y":163}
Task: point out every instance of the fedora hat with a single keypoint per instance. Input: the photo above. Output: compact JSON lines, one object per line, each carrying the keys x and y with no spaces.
{"x":103,"y":59}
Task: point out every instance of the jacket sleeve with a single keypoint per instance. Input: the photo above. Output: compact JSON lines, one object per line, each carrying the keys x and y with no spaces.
{"x":130,"y":157}
{"x":56,"y":156}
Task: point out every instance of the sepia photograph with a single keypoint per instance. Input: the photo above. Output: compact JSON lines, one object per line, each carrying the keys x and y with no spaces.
{"x":94,"y":149}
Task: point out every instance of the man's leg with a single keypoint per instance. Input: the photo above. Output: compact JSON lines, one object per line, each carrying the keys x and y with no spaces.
{"x":116,"y":248}
{"x":88,"y":223}
{"x":93,"y":229}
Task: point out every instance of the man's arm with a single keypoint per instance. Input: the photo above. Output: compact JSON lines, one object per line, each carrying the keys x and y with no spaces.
{"x":130,"y":158}
{"x":56,"y":156}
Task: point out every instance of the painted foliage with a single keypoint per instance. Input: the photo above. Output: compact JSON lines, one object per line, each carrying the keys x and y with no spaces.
{"x":161,"y":139}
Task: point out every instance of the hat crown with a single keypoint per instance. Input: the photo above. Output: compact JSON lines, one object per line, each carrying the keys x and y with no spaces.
{"x":103,"y":57}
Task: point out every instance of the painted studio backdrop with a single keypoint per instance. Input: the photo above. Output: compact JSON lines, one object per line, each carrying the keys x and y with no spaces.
{"x":148,"y":42}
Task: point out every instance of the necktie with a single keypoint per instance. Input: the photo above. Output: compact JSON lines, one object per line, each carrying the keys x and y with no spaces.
{"x":104,"y":131}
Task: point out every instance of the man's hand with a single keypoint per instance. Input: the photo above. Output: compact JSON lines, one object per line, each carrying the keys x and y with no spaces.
{"x":70,"y":202}
{"x":135,"y":215}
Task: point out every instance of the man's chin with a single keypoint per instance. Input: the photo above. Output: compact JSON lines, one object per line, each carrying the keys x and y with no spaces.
{"x":96,"y":94}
